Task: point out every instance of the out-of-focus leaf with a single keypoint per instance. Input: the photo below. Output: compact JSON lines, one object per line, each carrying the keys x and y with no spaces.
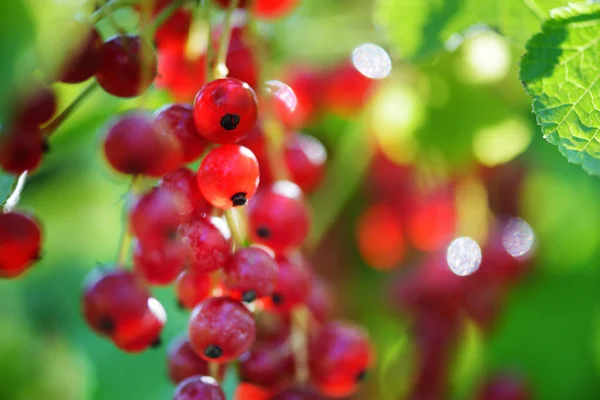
{"x":397,"y":368}
{"x":561,"y":71}
{"x":231,"y":382}
{"x":419,"y":28}
{"x":6,"y":184}
{"x":469,"y":362}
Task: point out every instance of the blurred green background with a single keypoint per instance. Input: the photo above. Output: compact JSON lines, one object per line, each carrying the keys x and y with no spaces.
{"x":455,"y":107}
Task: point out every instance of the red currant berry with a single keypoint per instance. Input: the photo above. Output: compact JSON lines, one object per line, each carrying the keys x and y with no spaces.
{"x":113,"y":300}
{"x":380,"y":239}
{"x":320,"y":301}
{"x":37,"y":107}
{"x":267,"y":364}
{"x":21,"y":149}
{"x":257,"y":144}
{"x":297,"y":393}
{"x":241,"y":62}
{"x":228,"y":176}
{"x":175,"y":28}
{"x":345,"y":90}
{"x":84,"y":62}
{"x":246,"y":391}
{"x":250,"y":273}
{"x":177,"y":120}
{"x":278,"y":217}
{"x":183,"y":362}
{"x":209,"y":241}
{"x":432,"y":221}
{"x":199,"y":388}
{"x":339,"y":358}
{"x":181,"y":75}
{"x":225,"y":110}
{"x":305,"y":159}
{"x":128,"y":66}
{"x":306,"y":85}
{"x":139,"y":334}
{"x":221,"y":329}
{"x":155,"y":218}
{"x":294,"y":280}
{"x":160,"y":265}
{"x":133,"y":146}
{"x":505,"y":387}
{"x":271,"y":327}
{"x":273,"y":9}
{"x":20,"y":243}
{"x":185,"y":182}
{"x":192,"y":288}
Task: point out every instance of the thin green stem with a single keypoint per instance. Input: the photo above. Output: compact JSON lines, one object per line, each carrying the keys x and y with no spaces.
{"x":298,"y":342}
{"x":126,"y":239}
{"x":108,"y":8}
{"x":233,"y":227}
{"x":220,"y":66}
{"x":535,"y":9}
{"x":58,"y":121}
{"x":209,"y":47}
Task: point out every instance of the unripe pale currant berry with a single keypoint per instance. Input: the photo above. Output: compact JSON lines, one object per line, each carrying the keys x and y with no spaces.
{"x":178,"y":120}
{"x":160,"y":265}
{"x":20,"y":243}
{"x":221,"y":329}
{"x":305,"y":159}
{"x":209,"y":241}
{"x":85,"y":59}
{"x":156,"y":216}
{"x":199,"y":388}
{"x":228,"y":176}
{"x":128,"y":66}
{"x":183,"y":362}
{"x":144,"y":332}
{"x":267,"y":364}
{"x":293,"y":283}
{"x":184,"y":181}
{"x":339,"y":358}
{"x":278,"y":217}
{"x":250,"y":273}
{"x":192,"y":288}
{"x":134,"y":146}
{"x":225,"y":110}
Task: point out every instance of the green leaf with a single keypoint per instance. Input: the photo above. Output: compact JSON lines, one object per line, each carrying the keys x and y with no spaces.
{"x":6,"y":185}
{"x":419,"y":28}
{"x":561,"y":71}
{"x":469,"y":362}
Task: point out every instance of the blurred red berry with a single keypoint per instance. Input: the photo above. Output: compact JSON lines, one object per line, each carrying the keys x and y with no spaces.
{"x":20,"y":243}
{"x":209,"y":241}
{"x":177,"y":120}
{"x":380,"y":239}
{"x":199,"y":388}
{"x":192,"y":288}
{"x":305,"y":159}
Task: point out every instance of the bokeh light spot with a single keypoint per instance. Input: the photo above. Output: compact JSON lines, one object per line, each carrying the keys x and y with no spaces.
{"x":372,"y":61}
{"x":517,"y":237}
{"x":463,"y":256}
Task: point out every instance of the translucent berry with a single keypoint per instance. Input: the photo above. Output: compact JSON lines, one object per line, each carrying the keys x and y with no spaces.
{"x":179,"y":73}
{"x":294,"y":280}
{"x":155,"y":218}
{"x":305,"y":159}
{"x":209,"y":241}
{"x":380,"y":238}
{"x":160,"y":265}
{"x":133,"y":146}
{"x":250,"y":273}
{"x":221,"y":329}
{"x":128,"y":66}
{"x":246,"y":391}
{"x":267,"y":364}
{"x":199,"y":388}
{"x":21,"y":149}
{"x":306,"y":84}
{"x":225,"y":110}
{"x":85,"y":60}
{"x":139,"y":334}
{"x":183,"y":362}
{"x":278,"y":217}
{"x":185,"y":182}
{"x":20,"y":243}
{"x":345,"y":90}
{"x":192,"y":288}
{"x":273,"y":9}
{"x":177,"y":120}
{"x":320,"y":301}
{"x":113,"y":299}
{"x":339,"y":358}
{"x":257,"y":144}
{"x":228,"y":176}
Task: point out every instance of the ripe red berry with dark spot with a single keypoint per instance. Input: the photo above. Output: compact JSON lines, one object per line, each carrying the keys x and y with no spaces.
{"x":128,"y":66}
{"x":192,"y":288}
{"x":21,"y":149}
{"x":320,"y":301}
{"x":183,"y":362}
{"x":305,"y":159}
{"x":177,"y":120}
{"x":293,"y":283}
{"x":209,"y":241}
{"x":85,"y":60}
{"x":139,"y":334}
{"x":225,"y":110}
{"x":20,"y":243}
{"x":199,"y":388}
{"x":185,"y":182}
{"x":160,"y":265}
{"x":155,"y":218}
{"x":134,"y":146}
{"x":221,"y":329}
{"x":228,"y":176}
{"x":250,"y":274}
{"x":278,"y":217}
{"x":340,"y":356}
{"x":113,"y":300}
{"x":267,"y":364}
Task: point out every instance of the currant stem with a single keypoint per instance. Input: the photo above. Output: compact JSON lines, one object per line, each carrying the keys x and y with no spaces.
{"x":109,"y":7}
{"x":126,"y":238}
{"x":209,"y":47}
{"x":213,"y":370}
{"x":275,"y":136}
{"x":233,"y":227}
{"x":14,"y":198}
{"x":58,"y":120}
{"x":298,"y":341}
{"x":221,"y":70}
